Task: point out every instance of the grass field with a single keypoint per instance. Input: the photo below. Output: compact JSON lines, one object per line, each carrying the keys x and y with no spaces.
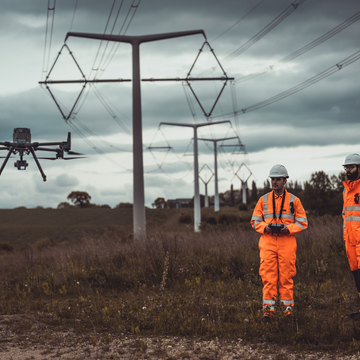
{"x":93,"y":275}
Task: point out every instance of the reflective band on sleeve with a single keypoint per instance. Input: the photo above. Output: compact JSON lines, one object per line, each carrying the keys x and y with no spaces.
{"x":352,"y":218}
{"x":352,"y":208}
{"x":268,"y":302}
{"x":257,"y":218}
{"x":299,"y":225}
{"x":301,"y":219}
{"x":265,"y":200}
{"x":255,"y":223}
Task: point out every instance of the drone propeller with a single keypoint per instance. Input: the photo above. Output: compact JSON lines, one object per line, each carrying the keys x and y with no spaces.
{"x":73,"y":153}
{"x":72,"y":158}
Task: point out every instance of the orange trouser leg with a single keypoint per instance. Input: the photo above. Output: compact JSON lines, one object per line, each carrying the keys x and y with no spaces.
{"x":269,"y":268}
{"x":287,"y":269}
{"x":353,"y":255}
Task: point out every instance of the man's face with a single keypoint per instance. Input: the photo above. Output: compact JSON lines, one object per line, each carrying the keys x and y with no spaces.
{"x":351,"y":172}
{"x":278,"y":184}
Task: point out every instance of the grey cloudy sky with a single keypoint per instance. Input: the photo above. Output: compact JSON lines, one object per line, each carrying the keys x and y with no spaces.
{"x":311,"y":130}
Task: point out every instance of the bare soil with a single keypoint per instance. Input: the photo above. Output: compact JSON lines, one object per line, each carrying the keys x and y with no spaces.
{"x":24,"y":338}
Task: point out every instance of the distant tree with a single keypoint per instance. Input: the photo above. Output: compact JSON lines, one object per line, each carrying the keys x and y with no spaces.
{"x":337,"y":181}
{"x":79,"y":198}
{"x":124,"y":206}
{"x":202,"y":201}
{"x":63,"y":205}
{"x":267,"y":187}
{"x":159,"y":203}
{"x":232,"y":197}
{"x":254,"y":192}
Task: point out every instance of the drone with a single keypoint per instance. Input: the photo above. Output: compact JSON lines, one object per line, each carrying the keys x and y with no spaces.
{"x":22,"y":145}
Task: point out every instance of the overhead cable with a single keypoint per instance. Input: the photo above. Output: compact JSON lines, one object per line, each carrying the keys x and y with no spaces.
{"x":282,"y":16}
{"x":229,"y":28}
{"x":305,"y":48}
{"x":331,"y":70}
{"x":47,"y":45}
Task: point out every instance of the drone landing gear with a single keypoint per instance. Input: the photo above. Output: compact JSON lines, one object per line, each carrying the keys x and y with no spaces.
{"x":37,"y":163}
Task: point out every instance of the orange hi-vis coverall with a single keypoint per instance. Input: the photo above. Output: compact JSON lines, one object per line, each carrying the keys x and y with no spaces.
{"x":351,"y":216}
{"x":278,"y":251}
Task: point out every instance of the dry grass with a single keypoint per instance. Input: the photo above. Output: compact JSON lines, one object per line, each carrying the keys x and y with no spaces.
{"x":179,"y":283}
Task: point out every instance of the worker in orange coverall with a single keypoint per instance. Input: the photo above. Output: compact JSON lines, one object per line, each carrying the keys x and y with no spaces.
{"x":278,"y":216}
{"x":351,"y":216}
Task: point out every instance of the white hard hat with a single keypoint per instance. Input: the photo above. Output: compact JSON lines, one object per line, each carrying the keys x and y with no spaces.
{"x":352,"y":159}
{"x":278,"y":171}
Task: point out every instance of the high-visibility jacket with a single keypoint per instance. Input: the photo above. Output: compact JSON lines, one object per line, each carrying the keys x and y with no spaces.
{"x":351,"y":217}
{"x":293,"y":214}
{"x":278,"y":251}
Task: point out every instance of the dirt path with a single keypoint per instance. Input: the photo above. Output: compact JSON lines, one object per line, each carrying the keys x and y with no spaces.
{"x":21,"y":339}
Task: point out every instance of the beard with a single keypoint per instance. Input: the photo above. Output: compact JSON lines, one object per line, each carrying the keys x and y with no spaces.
{"x":352,"y":176}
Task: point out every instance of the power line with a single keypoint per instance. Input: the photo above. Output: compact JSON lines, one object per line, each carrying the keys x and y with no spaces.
{"x":248,"y":13}
{"x":331,"y":70}
{"x":73,"y":17}
{"x":282,"y":16}
{"x":305,"y":48}
{"x":45,"y":65}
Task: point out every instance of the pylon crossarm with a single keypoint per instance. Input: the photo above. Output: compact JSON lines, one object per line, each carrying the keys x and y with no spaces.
{"x":83,"y":81}
{"x":197,"y":99}
{"x":201,"y":49}
{"x":72,"y":109}
{"x":71,"y":54}
{"x":222,"y":78}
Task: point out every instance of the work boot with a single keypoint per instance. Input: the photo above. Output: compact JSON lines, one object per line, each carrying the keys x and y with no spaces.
{"x":288,"y":312}
{"x":269,"y":315}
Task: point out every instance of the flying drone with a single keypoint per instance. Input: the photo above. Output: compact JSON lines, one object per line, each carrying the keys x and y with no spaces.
{"x":22,"y":145}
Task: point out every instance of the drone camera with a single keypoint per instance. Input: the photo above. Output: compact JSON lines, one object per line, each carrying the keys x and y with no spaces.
{"x":21,"y":164}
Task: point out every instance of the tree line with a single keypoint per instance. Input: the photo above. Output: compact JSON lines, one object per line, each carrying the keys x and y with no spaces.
{"x":320,"y":195}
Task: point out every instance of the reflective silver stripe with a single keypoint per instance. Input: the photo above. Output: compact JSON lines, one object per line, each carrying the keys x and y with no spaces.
{"x":301,"y":219}
{"x":257,"y":218}
{"x":352,"y":208}
{"x":265,"y":200}
{"x":268,"y":302}
{"x":287,"y":302}
{"x":292,"y":198}
{"x":287,"y":216}
{"x":255,"y":223}
{"x":352,"y":218}
{"x":284,"y":216}
{"x":299,"y":225}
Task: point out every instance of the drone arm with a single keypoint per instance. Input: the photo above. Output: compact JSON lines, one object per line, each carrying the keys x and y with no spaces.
{"x":37,"y":163}
{"x":46,"y":149}
{"x":6,"y":160}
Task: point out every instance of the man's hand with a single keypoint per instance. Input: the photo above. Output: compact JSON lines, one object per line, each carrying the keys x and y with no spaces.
{"x":285,"y":230}
{"x":267,"y":228}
